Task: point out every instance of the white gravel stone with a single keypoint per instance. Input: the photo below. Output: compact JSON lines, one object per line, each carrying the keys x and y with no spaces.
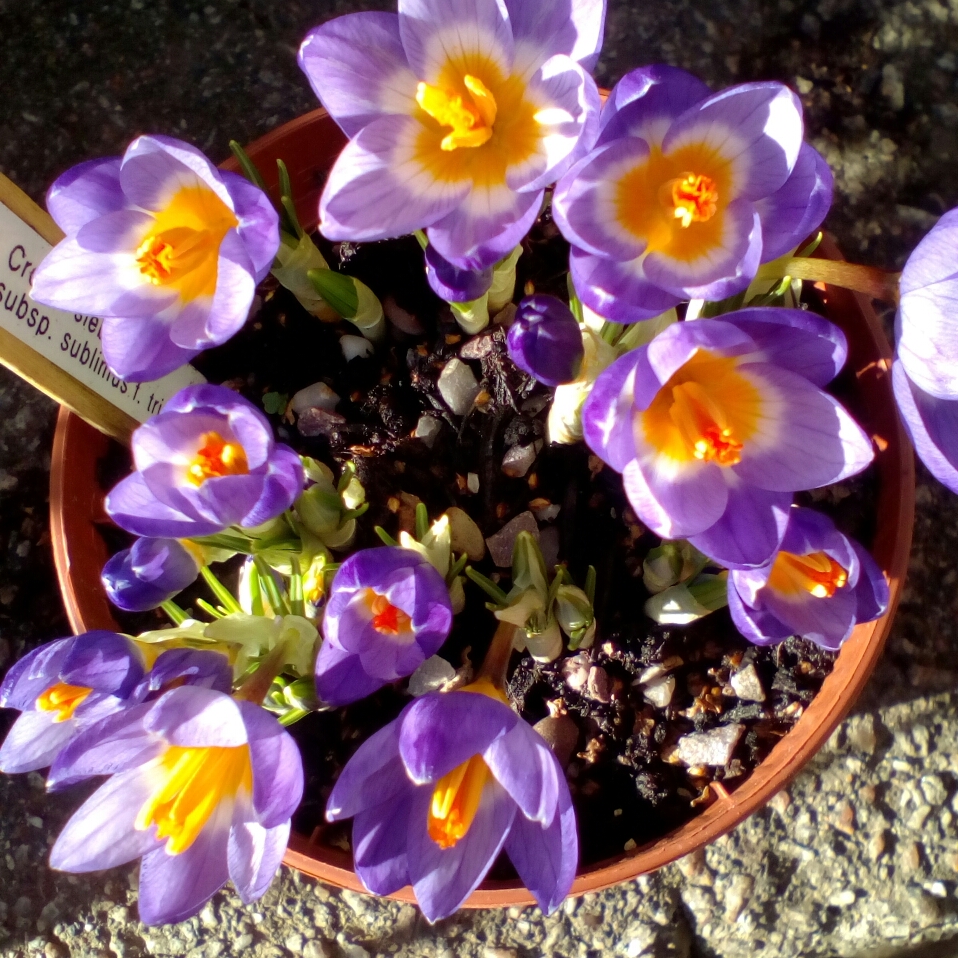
{"x":458,"y":386}
{"x":714,"y":747}
{"x":659,"y":692}
{"x":318,"y":396}
{"x":747,"y":684}
{"x":518,"y":460}
{"x":427,"y":429}
{"x":500,"y":545}
{"x":355,"y":347}
{"x":465,"y":535}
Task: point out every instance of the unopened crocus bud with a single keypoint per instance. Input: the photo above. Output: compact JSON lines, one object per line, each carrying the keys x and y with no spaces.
{"x":575,"y":615}
{"x":545,"y":340}
{"x":452,"y":284}
{"x":149,"y":573}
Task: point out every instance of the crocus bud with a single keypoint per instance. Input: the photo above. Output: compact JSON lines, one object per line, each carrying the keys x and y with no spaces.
{"x":452,"y":284}
{"x":575,"y":615}
{"x":148,"y":573}
{"x":545,"y":340}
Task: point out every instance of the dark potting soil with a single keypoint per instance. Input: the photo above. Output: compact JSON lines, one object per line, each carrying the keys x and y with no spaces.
{"x":627,"y":783}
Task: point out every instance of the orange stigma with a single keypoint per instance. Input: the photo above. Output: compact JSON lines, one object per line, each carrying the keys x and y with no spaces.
{"x":215,"y":458}
{"x":387,"y":619}
{"x":694,"y":198}
{"x":704,"y":425}
{"x":817,"y":574}
{"x":455,"y":801}
{"x":62,"y":699}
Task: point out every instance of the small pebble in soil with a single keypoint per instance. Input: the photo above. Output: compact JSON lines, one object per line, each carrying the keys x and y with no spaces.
{"x":500,"y":545}
{"x":714,"y":747}
{"x":428,"y":429}
{"x":747,"y":685}
{"x":458,"y":387}
{"x":317,"y":396}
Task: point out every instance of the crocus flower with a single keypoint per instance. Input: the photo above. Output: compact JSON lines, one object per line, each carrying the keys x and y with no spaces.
{"x":164,"y":246}
{"x":62,"y":687}
{"x":687,"y":192}
{"x":437,"y":793}
{"x":716,"y":423}
{"x":818,"y":585}
{"x":925,"y":375}
{"x":545,"y":340}
{"x":452,"y":284}
{"x":201,"y":786}
{"x":206,"y":462}
{"x":148,"y":573}
{"x":388,"y":611}
{"x":465,"y":112}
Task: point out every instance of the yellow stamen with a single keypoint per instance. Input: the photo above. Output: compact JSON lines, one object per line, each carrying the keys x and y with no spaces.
{"x":471,"y":117}
{"x":816,"y":573}
{"x":216,"y":457}
{"x":693,"y":197}
{"x":387,"y":619}
{"x":455,"y":801}
{"x":704,"y":425}
{"x":62,"y":699}
{"x":192,"y":782}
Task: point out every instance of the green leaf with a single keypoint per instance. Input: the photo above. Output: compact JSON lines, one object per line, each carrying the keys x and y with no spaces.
{"x":720,"y":307}
{"x":275,"y":403}
{"x":248,"y":166}
{"x":337,"y":289}
{"x":224,"y":596}
{"x":488,"y":586}
{"x":385,"y":536}
{"x":176,"y":615}
{"x":422,"y":521}
{"x":575,"y":304}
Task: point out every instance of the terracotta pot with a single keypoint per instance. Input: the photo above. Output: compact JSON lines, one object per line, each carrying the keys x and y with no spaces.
{"x":308,"y":146}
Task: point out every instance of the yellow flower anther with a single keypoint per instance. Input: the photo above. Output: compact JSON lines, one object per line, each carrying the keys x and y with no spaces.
{"x":704,"y":425}
{"x":455,"y":801}
{"x":216,"y":457}
{"x":694,"y":198}
{"x":471,"y":117}
{"x":191,"y":784}
{"x":62,"y":699}
{"x":816,"y":573}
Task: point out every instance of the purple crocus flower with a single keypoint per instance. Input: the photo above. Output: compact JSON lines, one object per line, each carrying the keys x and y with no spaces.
{"x":61,"y":688}
{"x":164,"y":246}
{"x":201,"y":786}
{"x":388,"y":611}
{"x":925,"y":374}
{"x":819,"y":585}
{"x":717,"y":422}
{"x":687,"y":192}
{"x":206,"y":462}
{"x":440,"y":791}
{"x":465,"y":113}
{"x":545,"y":340}
{"x":452,"y":284}
{"x":148,"y":573}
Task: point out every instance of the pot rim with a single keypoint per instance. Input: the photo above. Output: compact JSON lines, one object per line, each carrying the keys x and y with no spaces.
{"x":309,"y":144}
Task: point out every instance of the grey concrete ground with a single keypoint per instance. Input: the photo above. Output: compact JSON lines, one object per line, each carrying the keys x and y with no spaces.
{"x":860,"y":856}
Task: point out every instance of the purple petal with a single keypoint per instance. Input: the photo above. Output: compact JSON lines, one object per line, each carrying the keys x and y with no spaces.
{"x":810,"y":531}
{"x":646,"y":101}
{"x":796,"y":209}
{"x":872,"y":590}
{"x":755,"y":127}
{"x":546,"y":858}
{"x":148,"y":573}
{"x":32,"y":675}
{"x":258,"y":222}
{"x":115,"y":744}
{"x":545,"y":341}
{"x":101,"y":833}
{"x":585,"y":206}
{"x":750,"y":529}
{"x":932,"y":424}
{"x":283,"y":483}
{"x":443,"y":878}
{"x":825,"y":621}
{"x":133,"y":507}
{"x":119,"y":232}
{"x":104,"y":661}
{"x":435,"y":32}
{"x":140,"y":350}
{"x":210,"y":670}
{"x":525,"y":767}
{"x":34,"y":741}
{"x":607,"y":413}
{"x":676,"y":345}
{"x":380,"y":836}
{"x":340,"y":677}
{"x":759,"y":626}
{"x":720,"y":270}
{"x":794,"y":339}
{"x":196,"y":717}
{"x":277,"y":766}
{"x":617,"y":290}
{"x":378,"y":189}
{"x":452,"y":284}
{"x":674,"y":502}
{"x":374,"y":776}
{"x":175,"y":887}
{"x":547,"y":27}
{"x":355,"y":87}
{"x":85,"y":192}
{"x":439,"y":732}
{"x":804,"y":438}
{"x":253,"y":856}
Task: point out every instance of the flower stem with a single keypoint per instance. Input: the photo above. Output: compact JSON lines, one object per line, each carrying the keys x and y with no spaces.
{"x":869,"y":280}
{"x":496,"y":662}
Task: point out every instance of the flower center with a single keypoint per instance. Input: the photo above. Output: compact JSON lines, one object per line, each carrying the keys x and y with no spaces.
{"x":817,"y":574}
{"x":692,"y":197}
{"x":705,"y":412}
{"x":62,"y":699}
{"x":455,"y":801}
{"x":387,"y":619}
{"x":471,"y":116}
{"x":216,"y":458}
{"x":191,"y":784}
